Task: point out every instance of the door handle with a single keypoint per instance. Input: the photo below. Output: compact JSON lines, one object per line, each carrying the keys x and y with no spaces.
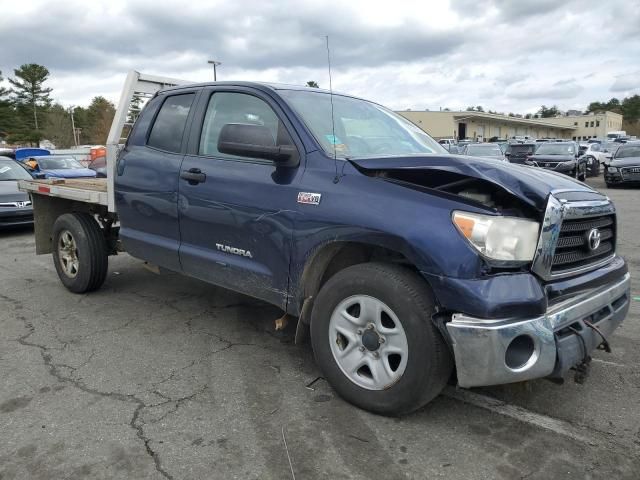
{"x":193,"y":176}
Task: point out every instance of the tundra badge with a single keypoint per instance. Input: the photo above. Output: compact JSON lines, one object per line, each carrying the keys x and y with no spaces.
{"x":234,"y":250}
{"x":309,"y":198}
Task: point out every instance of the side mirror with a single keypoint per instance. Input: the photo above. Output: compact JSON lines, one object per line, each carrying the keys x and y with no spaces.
{"x":255,"y":141}
{"x":40,"y":176}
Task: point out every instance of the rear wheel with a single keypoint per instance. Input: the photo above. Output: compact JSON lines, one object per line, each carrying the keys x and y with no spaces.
{"x":374,"y":340}
{"x":80,"y":252}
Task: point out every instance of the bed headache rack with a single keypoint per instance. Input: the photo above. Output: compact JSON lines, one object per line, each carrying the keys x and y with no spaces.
{"x":137,"y":85}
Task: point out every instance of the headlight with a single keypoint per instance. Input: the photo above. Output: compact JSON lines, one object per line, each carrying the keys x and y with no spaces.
{"x":612,"y":169}
{"x":505,"y":239}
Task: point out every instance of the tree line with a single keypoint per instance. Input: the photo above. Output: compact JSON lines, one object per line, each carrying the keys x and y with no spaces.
{"x":28,"y":114}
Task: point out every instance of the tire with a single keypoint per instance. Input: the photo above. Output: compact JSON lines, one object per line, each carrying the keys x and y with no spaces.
{"x":421,"y":371}
{"x":80,"y":252}
{"x":593,"y":167}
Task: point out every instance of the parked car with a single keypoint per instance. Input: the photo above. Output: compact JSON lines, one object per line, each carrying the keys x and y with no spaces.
{"x":519,"y":152}
{"x":15,"y":206}
{"x":624,"y":167}
{"x":485,"y":150}
{"x":562,"y":157}
{"x":398,"y":259}
{"x":52,"y":166}
{"x":450,"y":145}
{"x":594,"y":154}
{"x":447,"y":141}
{"x":8,"y":153}
{"x":463,"y":143}
{"x":21,"y":154}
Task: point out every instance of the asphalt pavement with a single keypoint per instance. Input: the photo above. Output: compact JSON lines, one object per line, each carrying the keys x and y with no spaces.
{"x":168,"y":377}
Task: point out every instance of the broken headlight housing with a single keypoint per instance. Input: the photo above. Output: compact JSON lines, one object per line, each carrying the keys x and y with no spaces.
{"x":502,"y":240}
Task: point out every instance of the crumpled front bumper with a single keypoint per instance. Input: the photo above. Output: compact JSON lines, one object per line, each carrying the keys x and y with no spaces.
{"x":498,"y":351}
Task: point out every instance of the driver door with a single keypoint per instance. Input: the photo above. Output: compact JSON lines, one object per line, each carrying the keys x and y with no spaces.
{"x":236,"y":217}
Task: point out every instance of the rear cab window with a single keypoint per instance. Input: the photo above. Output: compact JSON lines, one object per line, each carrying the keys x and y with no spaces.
{"x":168,"y":128}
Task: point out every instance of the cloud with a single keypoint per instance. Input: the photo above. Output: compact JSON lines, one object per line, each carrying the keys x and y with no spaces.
{"x":560,"y":90}
{"x":257,"y":40}
{"x":626,"y":82}
{"x":504,"y":55}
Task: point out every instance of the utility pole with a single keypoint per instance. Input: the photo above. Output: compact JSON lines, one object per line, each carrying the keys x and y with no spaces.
{"x":73,"y":125}
{"x":215,"y":64}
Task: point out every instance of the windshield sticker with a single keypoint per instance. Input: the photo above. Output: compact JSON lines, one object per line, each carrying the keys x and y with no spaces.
{"x":333,"y":139}
{"x":4,"y":169}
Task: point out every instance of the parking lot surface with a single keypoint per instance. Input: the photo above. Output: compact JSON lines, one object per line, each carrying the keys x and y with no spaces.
{"x":168,"y":377}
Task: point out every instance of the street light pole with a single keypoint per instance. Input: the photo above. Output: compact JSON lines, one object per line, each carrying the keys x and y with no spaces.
{"x":215,"y":64}
{"x":73,"y":126}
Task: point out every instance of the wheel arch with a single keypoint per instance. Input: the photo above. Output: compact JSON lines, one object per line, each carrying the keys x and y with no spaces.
{"x":328,"y":260}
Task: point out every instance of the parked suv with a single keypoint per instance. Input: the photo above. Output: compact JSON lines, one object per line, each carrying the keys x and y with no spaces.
{"x":520,"y":152}
{"x":624,"y":167}
{"x":563,"y":157}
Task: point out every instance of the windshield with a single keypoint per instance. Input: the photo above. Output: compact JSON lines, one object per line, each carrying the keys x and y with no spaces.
{"x":612,"y":146}
{"x":628,"y":151}
{"x":555,"y":149}
{"x":521,"y":148}
{"x":10,"y":170}
{"x":58,"y":163}
{"x":484,"y":151}
{"x":361,"y":128}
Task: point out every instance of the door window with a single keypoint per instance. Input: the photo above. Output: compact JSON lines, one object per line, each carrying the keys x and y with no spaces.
{"x":168,"y":129}
{"x":228,"y":107}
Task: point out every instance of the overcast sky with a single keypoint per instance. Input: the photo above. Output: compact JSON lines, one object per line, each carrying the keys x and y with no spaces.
{"x":507,"y":55}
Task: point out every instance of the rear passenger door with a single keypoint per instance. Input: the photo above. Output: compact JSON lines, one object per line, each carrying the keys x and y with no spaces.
{"x":146,"y":183}
{"x":236,"y":220}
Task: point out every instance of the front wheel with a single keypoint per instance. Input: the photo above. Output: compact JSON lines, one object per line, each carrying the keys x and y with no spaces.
{"x":374,"y":340}
{"x":80,"y":252}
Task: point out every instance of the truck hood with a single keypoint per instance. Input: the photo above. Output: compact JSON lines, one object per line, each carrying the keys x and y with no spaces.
{"x":625,"y":162}
{"x":553,"y":158}
{"x":530,"y":184}
{"x":69,"y":173}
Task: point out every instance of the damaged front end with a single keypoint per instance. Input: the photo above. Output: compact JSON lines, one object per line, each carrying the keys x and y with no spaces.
{"x":546,"y":317}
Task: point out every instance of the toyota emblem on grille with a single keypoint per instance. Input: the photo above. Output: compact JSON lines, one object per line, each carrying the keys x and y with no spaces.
{"x":593,"y":239}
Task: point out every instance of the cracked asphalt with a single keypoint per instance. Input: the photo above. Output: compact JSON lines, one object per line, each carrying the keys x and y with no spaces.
{"x":168,"y":377}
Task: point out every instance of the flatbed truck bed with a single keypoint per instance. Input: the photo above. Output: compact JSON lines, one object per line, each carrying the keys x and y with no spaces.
{"x":92,"y":190}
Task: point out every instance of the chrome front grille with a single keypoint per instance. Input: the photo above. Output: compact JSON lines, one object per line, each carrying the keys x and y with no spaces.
{"x":564,"y":247}
{"x":573,"y":249}
{"x":630,"y":173}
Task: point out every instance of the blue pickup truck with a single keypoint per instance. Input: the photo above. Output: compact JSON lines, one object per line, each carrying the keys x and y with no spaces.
{"x":407,"y":267}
